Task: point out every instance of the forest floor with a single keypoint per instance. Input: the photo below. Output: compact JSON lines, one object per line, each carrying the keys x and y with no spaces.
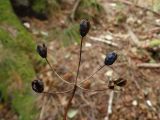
{"x":124,"y":29}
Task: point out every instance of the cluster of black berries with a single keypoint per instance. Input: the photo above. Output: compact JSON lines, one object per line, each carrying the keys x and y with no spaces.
{"x":38,"y":85}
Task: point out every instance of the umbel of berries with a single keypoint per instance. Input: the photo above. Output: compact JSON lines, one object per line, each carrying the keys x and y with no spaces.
{"x":42,"y":50}
{"x":110,"y":58}
{"x":38,"y":86}
{"x":84,"y":27}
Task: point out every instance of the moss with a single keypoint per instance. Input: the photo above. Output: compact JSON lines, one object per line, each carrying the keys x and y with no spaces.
{"x":154,"y":43}
{"x":156,"y":6}
{"x":90,"y":9}
{"x":40,"y":6}
{"x":27,"y":103}
{"x":10,"y":25}
{"x":16,"y":47}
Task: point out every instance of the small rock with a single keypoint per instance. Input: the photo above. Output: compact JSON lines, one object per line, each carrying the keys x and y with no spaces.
{"x":103,"y":56}
{"x":27,"y":25}
{"x":149,"y":103}
{"x":44,"y":33}
{"x":109,"y":37}
{"x":113,"y":4}
{"x":88,"y":44}
{"x":157,"y":21}
{"x":109,"y":73}
{"x":134,"y":102}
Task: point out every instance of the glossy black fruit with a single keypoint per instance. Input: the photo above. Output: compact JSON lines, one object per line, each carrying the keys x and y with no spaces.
{"x":42,"y":50}
{"x":110,"y":58}
{"x":84,"y":27}
{"x":38,"y":86}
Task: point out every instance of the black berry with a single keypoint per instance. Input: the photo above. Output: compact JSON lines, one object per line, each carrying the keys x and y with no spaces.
{"x":42,"y":50}
{"x":84,"y":27}
{"x":38,"y":86}
{"x":110,"y":58}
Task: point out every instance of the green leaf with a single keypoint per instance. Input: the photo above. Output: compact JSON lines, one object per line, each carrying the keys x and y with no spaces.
{"x":72,"y":113}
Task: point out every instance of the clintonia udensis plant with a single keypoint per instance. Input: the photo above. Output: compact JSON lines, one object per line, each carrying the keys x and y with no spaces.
{"x":38,"y":85}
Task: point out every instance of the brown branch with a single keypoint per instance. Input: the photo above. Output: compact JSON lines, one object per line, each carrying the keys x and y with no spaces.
{"x":75,"y":85}
{"x":109,"y":42}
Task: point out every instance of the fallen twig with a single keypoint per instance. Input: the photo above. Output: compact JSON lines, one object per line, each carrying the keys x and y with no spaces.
{"x":133,"y":36}
{"x":109,"y":42}
{"x":142,"y":44}
{"x":126,"y":2}
{"x":149,"y":65}
{"x":110,"y":101}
